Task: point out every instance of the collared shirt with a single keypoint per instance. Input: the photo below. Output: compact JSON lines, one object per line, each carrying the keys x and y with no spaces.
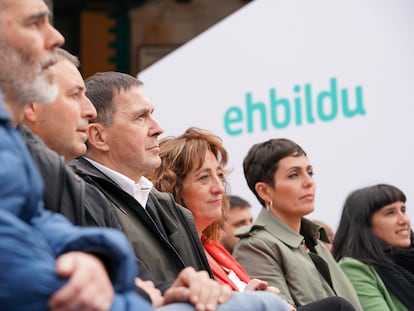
{"x":139,"y":191}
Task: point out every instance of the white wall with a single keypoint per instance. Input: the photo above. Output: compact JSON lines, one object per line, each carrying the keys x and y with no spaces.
{"x":285,"y":48}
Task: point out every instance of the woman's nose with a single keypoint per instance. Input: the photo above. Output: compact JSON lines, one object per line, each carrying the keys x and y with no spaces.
{"x":218,"y":185}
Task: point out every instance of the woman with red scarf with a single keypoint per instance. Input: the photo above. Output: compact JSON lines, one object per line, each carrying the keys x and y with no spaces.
{"x":200,"y":186}
{"x":193,"y":170}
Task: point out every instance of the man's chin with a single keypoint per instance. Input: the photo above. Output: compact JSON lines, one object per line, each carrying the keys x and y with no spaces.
{"x":154,"y":164}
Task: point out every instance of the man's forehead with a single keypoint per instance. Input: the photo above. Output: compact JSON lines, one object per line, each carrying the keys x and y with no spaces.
{"x":23,"y":8}
{"x":237,"y":208}
{"x":69,"y":74}
{"x":134,"y":95}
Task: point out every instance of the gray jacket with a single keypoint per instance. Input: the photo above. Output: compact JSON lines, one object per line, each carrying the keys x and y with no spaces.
{"x":271,"y":251}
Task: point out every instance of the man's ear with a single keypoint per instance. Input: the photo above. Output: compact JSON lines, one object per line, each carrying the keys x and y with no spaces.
{"x":262,"y":190}
{"x":97,"y":137}
{"x":29,"y":115}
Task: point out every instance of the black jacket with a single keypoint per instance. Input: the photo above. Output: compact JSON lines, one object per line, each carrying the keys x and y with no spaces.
{"x":163,"y":251}
{"x":65,"y":192}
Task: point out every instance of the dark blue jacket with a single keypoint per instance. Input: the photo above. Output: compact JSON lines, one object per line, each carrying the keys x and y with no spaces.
{"x":31,"y":238}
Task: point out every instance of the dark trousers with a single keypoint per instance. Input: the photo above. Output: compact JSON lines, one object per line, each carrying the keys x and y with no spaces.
{"x":328,"y":304}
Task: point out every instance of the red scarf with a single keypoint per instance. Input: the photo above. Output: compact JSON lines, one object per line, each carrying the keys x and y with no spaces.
{"x":224,"y":258}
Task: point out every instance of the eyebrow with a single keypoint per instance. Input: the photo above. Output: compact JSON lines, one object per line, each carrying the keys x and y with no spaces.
{"x":392,"y":206}
{"x":39,"y":16}
{"x":202,"y":170}
{"x":298,"y":167}
{"x":142,"y":111}
{"x":219,"y":168}
{"x":76,"y":88}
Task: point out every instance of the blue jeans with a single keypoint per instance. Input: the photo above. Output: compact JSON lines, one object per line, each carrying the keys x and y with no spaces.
{"x":246,"y":301}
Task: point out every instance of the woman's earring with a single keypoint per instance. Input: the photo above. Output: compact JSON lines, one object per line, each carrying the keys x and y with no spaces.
{"x":269,"y":206}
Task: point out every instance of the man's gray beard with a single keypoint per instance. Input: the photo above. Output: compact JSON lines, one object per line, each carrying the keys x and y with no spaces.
{"x":38,"y":90}
{"x":19,"y":82}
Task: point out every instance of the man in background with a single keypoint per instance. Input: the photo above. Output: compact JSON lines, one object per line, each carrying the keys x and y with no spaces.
{"x":237,"y":216}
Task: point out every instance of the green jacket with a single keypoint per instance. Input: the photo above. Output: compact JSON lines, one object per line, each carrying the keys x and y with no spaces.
{"x":371,"y":290}
{"x":271,"y":251}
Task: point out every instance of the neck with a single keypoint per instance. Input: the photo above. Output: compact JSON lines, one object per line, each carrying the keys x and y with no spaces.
{"x":293,"y":222}
{"x":200,"y":227}
{"x":199,"y":231}
{"x":114,"y":164}
{"x":15,"y":111}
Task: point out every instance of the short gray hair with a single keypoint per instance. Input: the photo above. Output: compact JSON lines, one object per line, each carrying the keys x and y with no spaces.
{"x":63,"y":54}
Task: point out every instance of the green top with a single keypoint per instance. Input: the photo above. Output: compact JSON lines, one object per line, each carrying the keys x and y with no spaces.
{"x":372,"y":292}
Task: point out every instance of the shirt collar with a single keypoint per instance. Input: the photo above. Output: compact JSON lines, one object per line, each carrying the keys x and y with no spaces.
{"x":276,"y":227}
{"x":138,"y":190}
{"x":286,"y":234}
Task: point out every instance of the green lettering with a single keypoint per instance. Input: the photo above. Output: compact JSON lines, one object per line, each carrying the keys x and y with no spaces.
{"x":233,"y":116}
{"x":276,"y":106}
{"x":250,"y":108}
{"x":326,"y":97}
{"x":359,"y":108}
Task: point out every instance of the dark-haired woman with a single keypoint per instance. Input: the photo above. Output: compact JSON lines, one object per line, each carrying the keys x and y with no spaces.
{"x":374,"y":246}
{"x":282,"y":247}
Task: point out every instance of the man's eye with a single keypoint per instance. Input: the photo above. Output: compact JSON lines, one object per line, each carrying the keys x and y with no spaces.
{"x":34,"y":25}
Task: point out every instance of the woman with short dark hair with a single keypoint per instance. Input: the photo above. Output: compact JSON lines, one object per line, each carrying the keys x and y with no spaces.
{"x":282,"y":247}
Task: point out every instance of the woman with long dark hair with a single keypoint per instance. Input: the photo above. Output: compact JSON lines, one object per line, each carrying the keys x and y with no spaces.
{"x":374,"y":246}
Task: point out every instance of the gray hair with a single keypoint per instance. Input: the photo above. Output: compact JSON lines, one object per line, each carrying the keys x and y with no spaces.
{"x":101,"y":88}
{"x":63,"y":54}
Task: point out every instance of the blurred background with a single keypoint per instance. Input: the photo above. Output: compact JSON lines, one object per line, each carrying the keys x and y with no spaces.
{"x":129,"y":35}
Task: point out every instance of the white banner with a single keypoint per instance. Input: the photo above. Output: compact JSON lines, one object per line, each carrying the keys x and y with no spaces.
{"x":337,"y":77}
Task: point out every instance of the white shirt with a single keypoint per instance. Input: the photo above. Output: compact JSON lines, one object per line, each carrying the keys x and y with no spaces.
{"x":139,"y":191}
{"x":241,"y":286}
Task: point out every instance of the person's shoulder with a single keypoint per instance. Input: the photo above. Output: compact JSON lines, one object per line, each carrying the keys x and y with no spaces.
{"x":81,"y":166}
{"x":37,"y":147}
{"x":89,"y":172}
{"x":50,"y":163}
{"x":350,"y":261}
{"x":250,"y":232}
{"x":166,"y":200}
{"x":161,"y":195}
{"x":353,"y":264}
{"x":244,"y":231}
